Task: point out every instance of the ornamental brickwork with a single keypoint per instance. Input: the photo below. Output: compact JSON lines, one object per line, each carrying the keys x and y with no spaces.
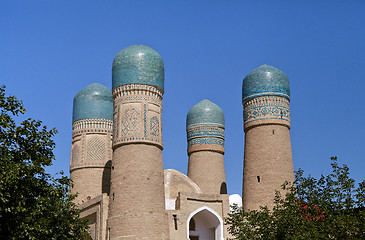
{"x":91,"y":143}
{"x":205,"y":137}
{"x":137,"y":114}
{"x":91,"y":153}
{"x":274,"y":108}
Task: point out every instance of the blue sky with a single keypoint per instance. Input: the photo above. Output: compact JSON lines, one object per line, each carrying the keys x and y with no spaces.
{"x":49,"y":50}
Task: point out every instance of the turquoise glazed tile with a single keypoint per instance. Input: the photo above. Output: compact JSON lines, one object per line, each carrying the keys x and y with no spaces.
{"x":205,"y":113}
{"x":93,"y":101}
{"x":265,"y":80}
{"x":138,"y":64}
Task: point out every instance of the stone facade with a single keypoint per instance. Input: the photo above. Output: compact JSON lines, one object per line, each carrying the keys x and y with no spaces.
{"x":116,"y":155}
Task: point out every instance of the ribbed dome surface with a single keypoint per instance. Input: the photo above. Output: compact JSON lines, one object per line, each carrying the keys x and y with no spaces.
{"x":265,"y":80}
{"x":205,"y":112}
{"x":138,"y":64}
{"x":93,"y":101}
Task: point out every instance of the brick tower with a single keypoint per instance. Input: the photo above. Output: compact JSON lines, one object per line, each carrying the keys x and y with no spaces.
{"x":91,"y":150}
{"x":268,"y":157}
{"x":205,"y":133}
{"x":137,"y":203}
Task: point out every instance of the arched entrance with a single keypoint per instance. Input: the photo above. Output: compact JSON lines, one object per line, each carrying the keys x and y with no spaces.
{"x":204,"y":224}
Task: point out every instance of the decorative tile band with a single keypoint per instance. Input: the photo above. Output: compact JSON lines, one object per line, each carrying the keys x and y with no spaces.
{"x":92,"y":126}
{"x":266,"y":107}
{"x":91,"y":143}
{"x":206,"y":141}
{"x":137,"y":89}
{"x":203,"y":133}
{"x":205,"y":138}
{"x":137,"y":110}
{"x":137,"y":98}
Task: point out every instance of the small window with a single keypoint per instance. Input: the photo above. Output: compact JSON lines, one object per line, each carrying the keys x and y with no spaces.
{"x":223,"y":189}
{"x":258,"y":179}
{"x":175,"y":220}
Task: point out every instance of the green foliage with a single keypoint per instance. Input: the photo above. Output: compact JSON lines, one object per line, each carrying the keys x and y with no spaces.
{"x":33,"y":204}
{"x":330,"y":207}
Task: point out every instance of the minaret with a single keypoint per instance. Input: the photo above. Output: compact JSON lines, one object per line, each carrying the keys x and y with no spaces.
{"x":205,"y":132}
{"x":91,"y":150}
{"x":268,"y":159}
{"x":137,"y":202}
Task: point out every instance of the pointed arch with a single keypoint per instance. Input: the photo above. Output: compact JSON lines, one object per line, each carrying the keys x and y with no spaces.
{"x":213,"y":215}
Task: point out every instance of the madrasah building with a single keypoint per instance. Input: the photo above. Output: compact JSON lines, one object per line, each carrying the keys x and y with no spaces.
{"x":116,"y":157}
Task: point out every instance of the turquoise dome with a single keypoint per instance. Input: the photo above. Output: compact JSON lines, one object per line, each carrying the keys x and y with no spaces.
{"x":265,"y":80}
{"x":138,"y":64}
{"x":93,"y":101}
{"x":205,"y":112}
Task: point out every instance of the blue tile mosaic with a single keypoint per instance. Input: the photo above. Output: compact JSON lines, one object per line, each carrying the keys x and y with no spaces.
{"x":138,"y":64}
{"x":265,"y":80}
{"x":205,"y":112}
{"x":93,"y":101}
{"x":206,"y":141}
{"x":266,"y":107}
{"x":205,"y":133}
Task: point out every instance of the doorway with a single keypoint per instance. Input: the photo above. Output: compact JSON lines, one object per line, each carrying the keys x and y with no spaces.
{"x":205,"y":224}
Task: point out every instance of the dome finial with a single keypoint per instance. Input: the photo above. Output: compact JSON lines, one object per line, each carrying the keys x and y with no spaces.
{"x":138,"y":64}
{"x":93,"y":101}
{"x":205,"y":113}
{"x":265,"y":80}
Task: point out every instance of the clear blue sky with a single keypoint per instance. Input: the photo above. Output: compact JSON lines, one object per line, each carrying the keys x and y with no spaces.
{"x":49,"y":50}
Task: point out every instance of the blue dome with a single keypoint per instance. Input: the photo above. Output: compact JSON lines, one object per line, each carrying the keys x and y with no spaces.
{"x":265,"y":80}
{"x":93,"y":101}
{"x":205,"y":113}
{"x":138,"y":64}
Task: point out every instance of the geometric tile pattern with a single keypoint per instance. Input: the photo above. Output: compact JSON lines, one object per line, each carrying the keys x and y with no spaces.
{"x":139,"y":120}
{"x":75,"y":154}
{"x":205,"y":132}
{"x":116,"y":129}
{"x":145,"y":120}
{"x":268,"y":107}
{"x":130,"y":122}
{"x":154,"y":126}
{"x":91,"y":143}
{"x":95,"y":149}
{"x":206,"y":141}
{"x":205,"y":137}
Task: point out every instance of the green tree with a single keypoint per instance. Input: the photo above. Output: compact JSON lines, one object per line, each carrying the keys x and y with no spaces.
{"x":330,"y":207}
{"x":33,"y":204}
